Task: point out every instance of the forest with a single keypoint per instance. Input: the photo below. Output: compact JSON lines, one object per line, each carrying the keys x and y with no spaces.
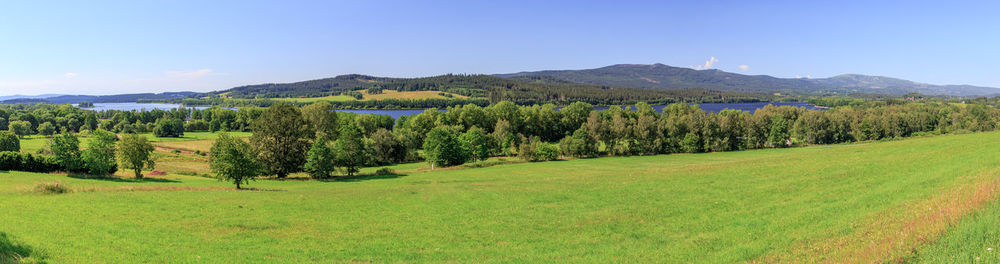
{"x":322,"y":142}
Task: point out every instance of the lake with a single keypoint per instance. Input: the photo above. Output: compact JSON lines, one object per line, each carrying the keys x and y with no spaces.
{"x":711,"y":108}
{"x":396,"y":113}
{"x":136,"y":106}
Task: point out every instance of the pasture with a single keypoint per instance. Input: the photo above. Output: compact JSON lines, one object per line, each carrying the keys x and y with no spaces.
{"x":868,"y":202}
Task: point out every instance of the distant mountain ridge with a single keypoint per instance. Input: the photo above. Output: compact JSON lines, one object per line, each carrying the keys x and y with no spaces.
{"x":75,"y":99}
{"x":660,"y":76}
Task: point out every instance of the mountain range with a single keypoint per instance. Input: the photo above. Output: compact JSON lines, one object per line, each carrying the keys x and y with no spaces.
{"x":660,"y":76}
{"x":615,"y":81}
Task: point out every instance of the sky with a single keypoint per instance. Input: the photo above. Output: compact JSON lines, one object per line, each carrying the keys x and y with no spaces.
{"x":113,"y":47}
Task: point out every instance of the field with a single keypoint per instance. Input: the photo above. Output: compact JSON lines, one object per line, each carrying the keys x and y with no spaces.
{"x":386,"y":94}
{"x":871,"y":202}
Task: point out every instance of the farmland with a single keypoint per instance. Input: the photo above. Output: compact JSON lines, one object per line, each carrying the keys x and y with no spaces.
{"x":793,"y":205}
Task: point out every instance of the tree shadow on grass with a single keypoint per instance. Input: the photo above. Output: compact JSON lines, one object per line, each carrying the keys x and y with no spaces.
{"x":116,"y":179}
{"x":11,"y":252}
{"x":364,"y":177}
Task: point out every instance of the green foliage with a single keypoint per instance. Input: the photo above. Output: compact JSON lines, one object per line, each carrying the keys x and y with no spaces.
{"x":280,"y":139}
{"x":387,"y":148}
{"x":46,"y":129}
{"x":478,"y":144}
{"x":528,"y":151}
{"x":9,"y":142}
{"x":134,"y":154}
{"x":99,"y":157}
{"x":169,"y":127}
{"x":66,"y":149}
{"x":547,"y":152}
{"x":493,"y":89}
{"x":16,"y":161}
{"x":320,"y":160}
{"x":20,"y":128}
{"x":321,"y":119}
{"x":350,"y":149}
{"x":579,"y":145}
{"x":443,"y":148}
{"x":233,"y":160}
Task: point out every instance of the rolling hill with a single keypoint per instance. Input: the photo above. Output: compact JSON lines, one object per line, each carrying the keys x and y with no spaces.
{"x":660,"y":76}
{"x":521,"y":90}
{"x":75,"y":99}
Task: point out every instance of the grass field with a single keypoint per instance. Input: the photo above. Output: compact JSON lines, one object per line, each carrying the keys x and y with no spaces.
{"x":976,"y":239}
{"x":386,"y":94}
{"x":848,"y":203}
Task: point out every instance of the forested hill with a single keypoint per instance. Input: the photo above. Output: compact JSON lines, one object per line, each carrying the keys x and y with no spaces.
{"x":659,"y":76}
{"x":118,"y":98}
{"x":522,"y":90}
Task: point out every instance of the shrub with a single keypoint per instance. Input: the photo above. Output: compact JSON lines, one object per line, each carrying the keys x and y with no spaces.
{"x":547,"y":152}
{"x":17,"y":161}
{"x":384,"y":171}
{"x":528,"y":151}
{"x":9,"y":142}
{"x":169,"y":127}
{"x":52,"y":188}
{"x":196,"y":125}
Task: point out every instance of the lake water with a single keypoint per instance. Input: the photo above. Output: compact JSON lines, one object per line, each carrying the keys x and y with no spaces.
{"x":711,"y":108}
{"x":137,"y":106}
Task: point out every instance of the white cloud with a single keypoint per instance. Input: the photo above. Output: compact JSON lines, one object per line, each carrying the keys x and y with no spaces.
{"x":744,"y":67}
{"x":70,"y":74}
{"x":708,"y":64}
{"x":189,"y":74}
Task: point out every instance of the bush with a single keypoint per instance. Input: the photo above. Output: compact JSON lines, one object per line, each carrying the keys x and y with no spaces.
{"x":547,"y":152}
{"x":196,"y":126}
{"x":9,"y":142}
{"x":17,"y":161}
{"x":384,"y":171}
{"x":52,"y":188}
{"x":528,"y":151}
{"x":171,"y":127}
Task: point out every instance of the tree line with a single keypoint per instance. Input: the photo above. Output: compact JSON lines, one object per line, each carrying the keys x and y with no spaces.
{"x":314,"y":139}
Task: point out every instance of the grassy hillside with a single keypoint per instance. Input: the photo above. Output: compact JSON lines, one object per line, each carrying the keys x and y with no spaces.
{"x":768,"y":205}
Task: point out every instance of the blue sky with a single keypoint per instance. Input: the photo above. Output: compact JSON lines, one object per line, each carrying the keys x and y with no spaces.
{"x":107,"y":47}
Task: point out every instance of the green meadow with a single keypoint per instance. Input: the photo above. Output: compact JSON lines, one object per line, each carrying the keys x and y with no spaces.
{"x":775,"y":205}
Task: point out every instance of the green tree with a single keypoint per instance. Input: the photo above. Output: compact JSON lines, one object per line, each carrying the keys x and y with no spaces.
{"x":579,"y":145}
{"x":280,"y":139}
{"x":504,"y":137}
{"x":350,"y":149}
{"x":322,"y":119}
{"x":99,"y":157}
{"x":778,"y":134}
{"x":9,"y":142}
{"x":320,"y":160}
{"x":232,"y":159}
{"x":134,"y":154}
{"x":46,"y":129}
{"x":90,"y":121}
{"x":20,"y":128}
{"x":387,"y":149}
{"x":169,"y":127}
{"x":478,"y":144}
{"x":442,"y":147}
{"x":66,"y":149}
